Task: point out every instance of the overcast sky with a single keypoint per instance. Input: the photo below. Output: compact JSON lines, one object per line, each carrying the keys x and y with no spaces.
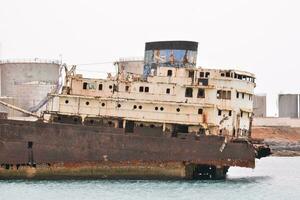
{"x":260,"y":36}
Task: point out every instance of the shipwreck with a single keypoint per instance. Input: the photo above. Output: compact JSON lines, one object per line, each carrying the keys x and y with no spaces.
{"x":157,"y":118}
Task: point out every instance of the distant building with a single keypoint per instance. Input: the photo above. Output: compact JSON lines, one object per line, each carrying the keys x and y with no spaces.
{"x":288,"y":105}
{"x":260,"y":105}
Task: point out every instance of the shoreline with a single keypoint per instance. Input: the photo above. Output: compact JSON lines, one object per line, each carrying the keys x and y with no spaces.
{"x":284,"y":141}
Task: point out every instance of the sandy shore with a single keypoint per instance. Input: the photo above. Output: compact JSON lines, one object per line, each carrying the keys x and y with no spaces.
{"x":283,"y":141}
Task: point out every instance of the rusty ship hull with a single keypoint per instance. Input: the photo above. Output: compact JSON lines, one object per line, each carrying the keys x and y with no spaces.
{"x":57,"y":150}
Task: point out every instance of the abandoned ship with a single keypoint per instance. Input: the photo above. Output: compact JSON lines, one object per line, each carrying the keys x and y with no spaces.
{"x":158,"y":118}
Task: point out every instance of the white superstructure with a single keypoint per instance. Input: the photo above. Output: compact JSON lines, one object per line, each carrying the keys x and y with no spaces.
{"x":181,"y":99}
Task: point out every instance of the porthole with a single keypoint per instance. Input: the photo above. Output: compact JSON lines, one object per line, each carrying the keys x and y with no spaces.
{"x":87,"y":103}
{"x":156,"y":108}
{"x":178,"y":109}
{"x":66,"y":101}
{"x":119,"y":105}
{"x":161,"y":108}
{"x":140,"y":107}
{"x":103,"y":104}
{"x":110,"y":87}
{"x":134,"y":107}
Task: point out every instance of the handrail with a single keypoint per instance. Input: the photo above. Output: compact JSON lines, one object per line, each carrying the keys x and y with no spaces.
{"x":30,"y":60}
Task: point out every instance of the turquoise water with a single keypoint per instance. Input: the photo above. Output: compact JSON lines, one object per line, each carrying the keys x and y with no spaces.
{"x":273,"y":178}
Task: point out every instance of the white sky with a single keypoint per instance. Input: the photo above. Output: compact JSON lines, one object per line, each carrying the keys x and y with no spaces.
{"x":260,"y":36}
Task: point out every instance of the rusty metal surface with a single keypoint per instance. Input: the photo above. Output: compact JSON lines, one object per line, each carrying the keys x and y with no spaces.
{"x":55,"y":143}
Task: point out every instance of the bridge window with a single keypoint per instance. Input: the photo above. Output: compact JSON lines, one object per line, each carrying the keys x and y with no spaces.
{"x":189,"y":92}
{"x":201,"y":93}
{"x":170,"y":72}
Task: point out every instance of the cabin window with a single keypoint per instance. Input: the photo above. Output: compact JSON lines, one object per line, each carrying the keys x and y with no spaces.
{"x":219,"y":94}
{"x":223,"y":94}
{"x":191,"y":74}
{"x":103,"y":104}
{"x":219,"y":112}
{"x":241,"y":113}
{"x":134,"y":107}
{"x":189,"y":92}
{"x":161,"y":108}
{"x":237,"y":95}
{"x":91,"y":86}
{"x":228,"y":95}
{"x":141,"y":89}
{"x":87,"y":103}
{"x":230,"y":113}
{"x":169,"y":72}
{"x":222,"y":74}
{"x":207,"y":74}
{"x":110,"y":86}
{"x":156,"y":108}
{"x":100,"y":86}
{"x":66,"y":101}
{"x":201,"y":93}
{"x":84,"y":85}
{"x":178,"y":109}
{"x":201,"y":74}
{"x":243,"y":95}
{"x":200,"y":111}
{"x":146,"y":89}
{"x":116,"y":88}
{"x":126,"y":88}
{"x":168,"y":90}
{"x":227,"y":74}
{"x":119,"y":105}
{"x":140,"y":107}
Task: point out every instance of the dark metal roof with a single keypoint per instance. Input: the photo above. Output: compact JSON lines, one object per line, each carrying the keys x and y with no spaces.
{"x":185,"y":45}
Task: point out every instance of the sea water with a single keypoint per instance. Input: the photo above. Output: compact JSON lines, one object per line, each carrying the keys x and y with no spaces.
{"x":273,"y":178}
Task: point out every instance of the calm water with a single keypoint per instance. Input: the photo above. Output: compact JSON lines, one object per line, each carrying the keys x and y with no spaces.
{"x":273,"y":178}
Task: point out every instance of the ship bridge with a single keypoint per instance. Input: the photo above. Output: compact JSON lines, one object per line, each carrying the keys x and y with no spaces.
{"x":175,"y":54}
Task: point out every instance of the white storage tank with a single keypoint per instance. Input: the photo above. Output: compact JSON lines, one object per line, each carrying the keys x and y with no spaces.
{"x":28,"y":81}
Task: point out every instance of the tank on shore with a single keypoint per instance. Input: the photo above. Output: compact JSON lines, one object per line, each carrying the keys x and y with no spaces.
{"x":27,"y":82}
